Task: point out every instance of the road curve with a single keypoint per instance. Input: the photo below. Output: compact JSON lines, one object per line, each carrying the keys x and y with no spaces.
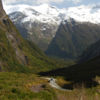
{"x":52,"y":83}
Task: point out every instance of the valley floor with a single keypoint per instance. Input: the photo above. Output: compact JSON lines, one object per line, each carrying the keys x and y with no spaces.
{"x":16,"y":86}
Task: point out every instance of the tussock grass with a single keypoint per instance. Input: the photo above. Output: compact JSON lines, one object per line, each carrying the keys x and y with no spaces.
{"x":14,"y":86}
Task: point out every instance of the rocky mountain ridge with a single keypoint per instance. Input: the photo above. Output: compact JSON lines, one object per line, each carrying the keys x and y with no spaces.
{"x":40,"y":23}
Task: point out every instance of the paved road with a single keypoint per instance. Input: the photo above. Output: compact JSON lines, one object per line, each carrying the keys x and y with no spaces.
{"x":53,"y":84}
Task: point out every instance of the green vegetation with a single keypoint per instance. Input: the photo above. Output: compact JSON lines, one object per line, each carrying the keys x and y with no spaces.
{"x":15,"y":86}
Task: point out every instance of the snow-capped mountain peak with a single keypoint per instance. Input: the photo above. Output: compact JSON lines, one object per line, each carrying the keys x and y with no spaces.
{"x":48,"y":14}
{"x":43,"y":13}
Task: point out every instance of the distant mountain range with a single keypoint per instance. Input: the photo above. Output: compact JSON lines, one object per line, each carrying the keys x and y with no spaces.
{"x":49,"y":14}
{"x":63,"y":33}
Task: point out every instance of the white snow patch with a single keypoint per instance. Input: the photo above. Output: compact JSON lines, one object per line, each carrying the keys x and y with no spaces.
{"x":52,"y":15}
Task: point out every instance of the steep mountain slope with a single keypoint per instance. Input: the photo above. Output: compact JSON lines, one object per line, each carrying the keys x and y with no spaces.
{"x":91,"y":52}
{"x":40,"y":23}
{"x":39,"y":33}
{"x":72,"y":38}
{"x":17,"y":54}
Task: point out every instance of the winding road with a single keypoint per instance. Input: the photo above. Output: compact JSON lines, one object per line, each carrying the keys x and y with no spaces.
{"x":53,"y":84}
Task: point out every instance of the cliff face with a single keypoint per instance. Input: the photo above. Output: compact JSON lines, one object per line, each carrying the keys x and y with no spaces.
{"x":2,"y":12}
{"x":1,"y":7}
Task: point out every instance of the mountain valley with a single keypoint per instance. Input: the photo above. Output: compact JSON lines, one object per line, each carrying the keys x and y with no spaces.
{"x":71,"y":39}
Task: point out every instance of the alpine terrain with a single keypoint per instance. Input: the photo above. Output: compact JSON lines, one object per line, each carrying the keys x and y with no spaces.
{"x":26,"y":73}
{"x":17,"y":54}
{"x":62,"y":33}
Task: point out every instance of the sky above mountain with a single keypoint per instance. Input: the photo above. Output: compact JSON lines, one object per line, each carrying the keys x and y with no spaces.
{"x":57,"y":3}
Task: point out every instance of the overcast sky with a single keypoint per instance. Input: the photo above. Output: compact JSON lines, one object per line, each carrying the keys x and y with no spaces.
{"x":58,"y":3}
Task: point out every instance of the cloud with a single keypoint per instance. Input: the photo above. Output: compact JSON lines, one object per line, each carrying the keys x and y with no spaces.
{"x":49,"y":1}
{"x":39,"y":1}
{"x":31,"y":1}
{"x":8,"y":1}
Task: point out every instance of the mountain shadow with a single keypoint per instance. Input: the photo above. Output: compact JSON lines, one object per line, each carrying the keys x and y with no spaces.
{"x":78,"y":74}
{"x":91,"y":52}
